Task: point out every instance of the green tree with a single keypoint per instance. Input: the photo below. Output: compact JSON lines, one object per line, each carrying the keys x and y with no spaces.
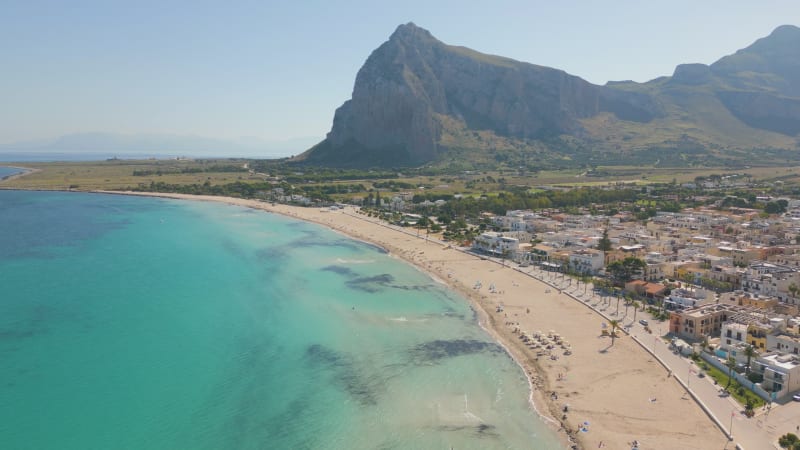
{"x":614,"y":326}
{"x":623,"y":271}
{"x":730,"y":363}
{"x":605,"y":243}
{"x":777,"y":207}
{"x":749,"y":351}
{"x":789,"y":440}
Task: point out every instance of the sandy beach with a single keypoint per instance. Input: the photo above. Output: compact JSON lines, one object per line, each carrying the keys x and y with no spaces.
{"x":25,"y":171}
{"x":615,"y":395}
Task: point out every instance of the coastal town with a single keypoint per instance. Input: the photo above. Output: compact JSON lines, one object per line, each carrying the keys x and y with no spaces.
{"x":717,"y":285}
{"x":726,"y":282}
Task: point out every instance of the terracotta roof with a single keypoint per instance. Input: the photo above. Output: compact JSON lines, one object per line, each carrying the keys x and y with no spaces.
{"x":654,"y":288}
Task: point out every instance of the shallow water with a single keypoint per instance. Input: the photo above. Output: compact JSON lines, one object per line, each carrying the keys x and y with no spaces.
{"x":8,"y":171}
{"x":147,"y":323}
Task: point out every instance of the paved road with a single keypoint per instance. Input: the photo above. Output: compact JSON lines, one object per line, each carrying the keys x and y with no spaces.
{"x":759,"y":432}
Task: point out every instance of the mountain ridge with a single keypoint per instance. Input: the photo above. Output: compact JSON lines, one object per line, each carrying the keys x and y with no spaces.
{"x":416,"y":100}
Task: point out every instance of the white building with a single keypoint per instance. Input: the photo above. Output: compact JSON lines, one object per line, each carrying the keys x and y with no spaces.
{"x":784,"y":343}
{"x":587,"y":261}
{"x":781,"y":373}
{"x":733,"y":334}
{"x":496,"y":244}
{"x":682,"y":298}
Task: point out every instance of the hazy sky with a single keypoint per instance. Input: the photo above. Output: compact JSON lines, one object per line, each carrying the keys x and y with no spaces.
{"x":277,"y":70}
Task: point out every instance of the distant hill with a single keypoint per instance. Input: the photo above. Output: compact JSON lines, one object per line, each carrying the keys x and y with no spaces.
{"x":112,"y":144}
{"x":419,"y":101}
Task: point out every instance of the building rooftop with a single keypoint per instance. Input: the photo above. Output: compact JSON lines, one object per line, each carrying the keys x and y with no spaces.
{"x":782,"y":360}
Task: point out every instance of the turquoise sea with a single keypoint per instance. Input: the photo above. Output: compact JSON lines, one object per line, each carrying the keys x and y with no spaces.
{"x":143,"y":323}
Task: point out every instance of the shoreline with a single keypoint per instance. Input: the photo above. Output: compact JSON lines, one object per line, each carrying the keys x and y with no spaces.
{"x":602,"y":397}
{"x":25,"y":171}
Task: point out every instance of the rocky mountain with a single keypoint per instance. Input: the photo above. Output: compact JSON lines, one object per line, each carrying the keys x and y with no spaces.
{"x":417,"y":100}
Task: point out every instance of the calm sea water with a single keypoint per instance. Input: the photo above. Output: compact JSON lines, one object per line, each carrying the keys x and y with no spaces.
{"x":141,"y":323}
{"x":7,"y":171}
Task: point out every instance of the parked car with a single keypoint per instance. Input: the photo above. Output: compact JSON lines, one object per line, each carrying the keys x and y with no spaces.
{"x":796,"y":397}
{"x":643,"y":322}
{"x":701,"y":374}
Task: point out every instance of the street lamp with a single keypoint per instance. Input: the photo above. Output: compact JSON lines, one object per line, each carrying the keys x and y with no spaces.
{"x":730,"y":427}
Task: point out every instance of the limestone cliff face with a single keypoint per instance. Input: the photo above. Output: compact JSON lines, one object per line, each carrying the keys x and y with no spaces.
{"x":413,"y":90}
{"x":763,"y":82}
{"x":413,"y":78}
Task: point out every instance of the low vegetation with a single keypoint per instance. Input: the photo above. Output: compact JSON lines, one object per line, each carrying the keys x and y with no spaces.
{"x":742,"y":395}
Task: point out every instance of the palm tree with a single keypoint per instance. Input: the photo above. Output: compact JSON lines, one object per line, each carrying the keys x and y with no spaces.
{"x":614,"y":325}
{"x":635,"y":309}
{"x":731,"y":364}
{"x":661,"y":309}
{"x":749,"y":351}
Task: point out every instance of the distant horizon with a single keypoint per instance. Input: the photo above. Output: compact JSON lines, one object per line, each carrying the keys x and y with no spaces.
{"x":275,"y":72}
{"x":158,"y":144}
{"x":8,"y":157}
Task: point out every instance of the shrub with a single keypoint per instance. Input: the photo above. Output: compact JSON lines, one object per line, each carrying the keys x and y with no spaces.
{"x":755,"y":377}
{"x":789,"y":440}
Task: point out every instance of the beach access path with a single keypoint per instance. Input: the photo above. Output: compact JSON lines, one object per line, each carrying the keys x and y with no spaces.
{"x":614,"y":394}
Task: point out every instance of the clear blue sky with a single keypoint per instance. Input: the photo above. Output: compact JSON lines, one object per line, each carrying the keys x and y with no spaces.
{"x":277,"y":70}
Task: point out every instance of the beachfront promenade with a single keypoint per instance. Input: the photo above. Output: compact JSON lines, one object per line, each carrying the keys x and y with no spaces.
{"x":759,"y":432}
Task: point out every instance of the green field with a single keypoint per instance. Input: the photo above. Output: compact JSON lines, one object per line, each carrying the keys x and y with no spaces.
{"x":127,"y":174}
